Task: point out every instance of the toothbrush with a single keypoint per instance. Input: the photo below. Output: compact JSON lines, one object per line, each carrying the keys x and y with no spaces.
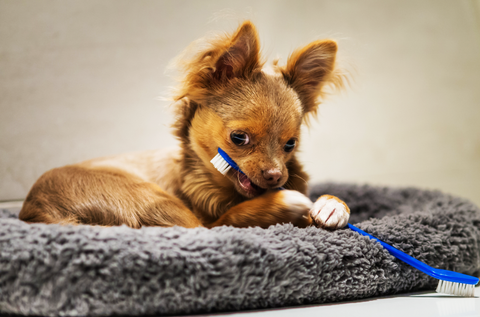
{"x":222,"y":162}
{"x":449,"y":282}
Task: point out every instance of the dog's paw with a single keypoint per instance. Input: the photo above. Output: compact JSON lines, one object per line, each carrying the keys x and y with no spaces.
{"x":296,"y":201}
{"x":329,"y":212}
{"x":298,"y":206}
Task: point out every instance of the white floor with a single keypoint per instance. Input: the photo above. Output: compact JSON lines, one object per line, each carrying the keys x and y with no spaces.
{"x":11,"y":204}
{"x":426,"y":304}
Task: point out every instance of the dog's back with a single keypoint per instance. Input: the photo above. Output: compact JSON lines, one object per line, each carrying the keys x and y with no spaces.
{"x":135,"y":189}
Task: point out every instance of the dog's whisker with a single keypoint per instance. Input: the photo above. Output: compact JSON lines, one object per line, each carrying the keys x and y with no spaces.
{"x":295,"y":175}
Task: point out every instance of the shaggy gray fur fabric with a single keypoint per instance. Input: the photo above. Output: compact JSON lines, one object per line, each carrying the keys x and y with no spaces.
{"x":61,"y":270}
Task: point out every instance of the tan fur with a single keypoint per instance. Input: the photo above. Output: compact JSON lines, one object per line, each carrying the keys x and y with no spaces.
{"x":273,"y":208}
{"x":223,"y":89}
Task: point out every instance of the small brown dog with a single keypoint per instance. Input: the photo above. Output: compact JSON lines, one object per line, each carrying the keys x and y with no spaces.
{"x":226,"y":100}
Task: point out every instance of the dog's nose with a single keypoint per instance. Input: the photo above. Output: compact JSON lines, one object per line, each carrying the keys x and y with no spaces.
{"x":272,"y":176}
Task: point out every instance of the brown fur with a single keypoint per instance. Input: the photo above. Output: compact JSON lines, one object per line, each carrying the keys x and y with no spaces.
{"x":223,"y":89}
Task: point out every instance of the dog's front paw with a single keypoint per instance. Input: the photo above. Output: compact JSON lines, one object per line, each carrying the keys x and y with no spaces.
{"x":298,"y":206}
{"x":330,"y":212}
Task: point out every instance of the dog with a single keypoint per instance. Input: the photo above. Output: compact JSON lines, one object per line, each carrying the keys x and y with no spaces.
{"x":226,"y":99}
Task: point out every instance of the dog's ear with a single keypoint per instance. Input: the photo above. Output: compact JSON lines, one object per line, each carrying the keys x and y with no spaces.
{"x":209,"y":64}
{"x":308,"y":69}
{"x":239,"y":55}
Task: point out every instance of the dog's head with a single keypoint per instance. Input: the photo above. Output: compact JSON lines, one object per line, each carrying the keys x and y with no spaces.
{"x":228,"y":100}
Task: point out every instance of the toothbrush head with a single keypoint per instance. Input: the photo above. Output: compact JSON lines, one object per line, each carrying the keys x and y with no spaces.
{"x":223,"y":162}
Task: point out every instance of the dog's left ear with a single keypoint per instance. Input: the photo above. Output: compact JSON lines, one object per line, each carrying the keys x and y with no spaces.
{"x":308,"y":69}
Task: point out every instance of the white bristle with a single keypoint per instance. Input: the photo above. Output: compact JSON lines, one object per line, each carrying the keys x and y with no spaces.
{"x":457,"y":289}
{"x":225,"y":170}
{"x":220,"y":164}
{"x":216,"y":159}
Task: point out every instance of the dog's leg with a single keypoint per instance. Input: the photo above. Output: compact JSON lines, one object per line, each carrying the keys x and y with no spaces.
{"x":269,"y":209}
{"x":105,"y":197}
{"x":330,"y":212}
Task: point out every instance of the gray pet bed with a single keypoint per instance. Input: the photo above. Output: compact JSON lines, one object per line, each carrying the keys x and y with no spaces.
{"x":54,"y":270}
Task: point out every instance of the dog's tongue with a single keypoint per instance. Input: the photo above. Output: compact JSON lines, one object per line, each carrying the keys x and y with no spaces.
{"x":246,"y":183}
{"x":249,"y":186}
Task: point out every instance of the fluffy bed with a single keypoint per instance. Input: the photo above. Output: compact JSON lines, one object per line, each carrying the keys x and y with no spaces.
{"x":54,"y":270}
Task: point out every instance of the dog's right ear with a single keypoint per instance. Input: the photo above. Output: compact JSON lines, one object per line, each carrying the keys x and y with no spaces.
{"x":208,"y":70}
{"x":225,"y":59}
{"x":240,"y":55}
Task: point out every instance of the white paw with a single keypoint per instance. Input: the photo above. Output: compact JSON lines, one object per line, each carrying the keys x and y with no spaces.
{"x":330,"y":212}
{"x":297,"y":202}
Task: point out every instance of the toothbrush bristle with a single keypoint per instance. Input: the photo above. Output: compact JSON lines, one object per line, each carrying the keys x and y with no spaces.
{"x":457,"y":289}
{"x":220,"y":164}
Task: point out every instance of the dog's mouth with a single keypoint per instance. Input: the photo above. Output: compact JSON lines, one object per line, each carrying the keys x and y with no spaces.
{"x":247,"y":187}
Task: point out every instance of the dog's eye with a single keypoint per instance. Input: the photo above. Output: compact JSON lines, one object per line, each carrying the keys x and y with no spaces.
{"x":290,"y":145}
{"x":239,"y":138}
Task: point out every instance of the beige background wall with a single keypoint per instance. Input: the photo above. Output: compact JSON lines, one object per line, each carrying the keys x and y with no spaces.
{"x":80,"y":79}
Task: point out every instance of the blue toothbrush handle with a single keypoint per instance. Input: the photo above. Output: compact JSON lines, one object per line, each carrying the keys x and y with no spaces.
{"x":436,"y":273}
